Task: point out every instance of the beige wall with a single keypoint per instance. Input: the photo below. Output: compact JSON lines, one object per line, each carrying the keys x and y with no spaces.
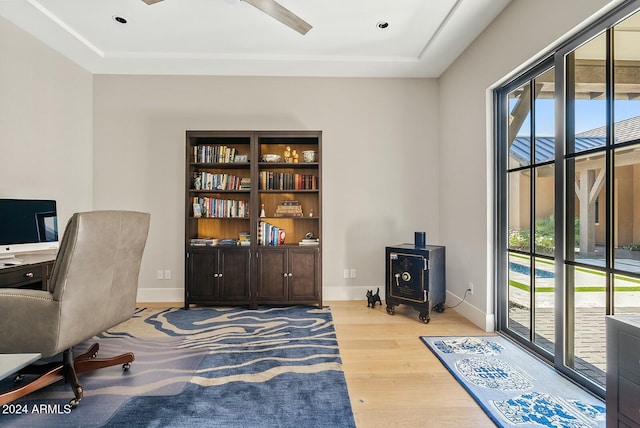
{"x":45,"y":124}
{"x":118,"y":142}
{"x":466,"y":205}
{"x":627,"y":192}
{"x":545,"y":188}
{"x":400,"y":155}
{"x":380,"y":160}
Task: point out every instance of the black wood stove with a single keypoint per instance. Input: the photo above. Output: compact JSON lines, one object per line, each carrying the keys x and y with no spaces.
{"x":415,"y":276}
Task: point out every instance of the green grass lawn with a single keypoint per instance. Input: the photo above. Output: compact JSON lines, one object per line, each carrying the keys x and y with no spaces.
{"x":587,"y":289}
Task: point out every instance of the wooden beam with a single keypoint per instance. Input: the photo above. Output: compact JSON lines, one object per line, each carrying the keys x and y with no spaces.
{"x":596,"y":187}
{"x":590,"y":79}
{"x":520,"y":112}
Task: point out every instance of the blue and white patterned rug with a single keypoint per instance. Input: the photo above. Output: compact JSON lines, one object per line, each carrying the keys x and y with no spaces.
{"x":206,"y":367}
{"x":513,"y":387}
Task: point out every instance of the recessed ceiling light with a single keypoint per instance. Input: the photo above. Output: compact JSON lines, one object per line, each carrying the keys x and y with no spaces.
{"x":120,"y":19}
{"x":382,"y":24}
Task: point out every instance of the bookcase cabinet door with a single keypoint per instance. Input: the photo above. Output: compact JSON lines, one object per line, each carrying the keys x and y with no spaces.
{"x":288,"y":275}
{"x":218,"y":276}
{"x":272,"y":275}
{"x":304,"y":266}
{"x":234,"y":274}
{"x":201,"y":283}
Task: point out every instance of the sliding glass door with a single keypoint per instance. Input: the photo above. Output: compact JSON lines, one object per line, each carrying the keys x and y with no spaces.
{"x":530,"y":176}
{"x":568,"y":192}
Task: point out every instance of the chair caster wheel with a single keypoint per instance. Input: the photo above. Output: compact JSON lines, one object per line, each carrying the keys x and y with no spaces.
{"x":74,"y":403}
{"x":126,"y":367}
{"x":424,"y":318}
{"x":19,"y":378}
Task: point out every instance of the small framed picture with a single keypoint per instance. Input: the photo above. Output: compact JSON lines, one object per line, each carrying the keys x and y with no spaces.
{"x":240,"y":158}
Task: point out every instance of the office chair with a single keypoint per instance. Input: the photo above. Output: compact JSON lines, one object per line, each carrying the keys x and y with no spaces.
{"x":93,"y":287}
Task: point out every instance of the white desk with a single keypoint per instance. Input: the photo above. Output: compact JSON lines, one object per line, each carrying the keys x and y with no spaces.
{"x":33,"y":273}
{"x":11,"y":363}
{"x":26,"y":259}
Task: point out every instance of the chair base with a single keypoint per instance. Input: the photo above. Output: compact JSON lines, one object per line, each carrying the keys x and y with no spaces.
{"x":67,"y":370}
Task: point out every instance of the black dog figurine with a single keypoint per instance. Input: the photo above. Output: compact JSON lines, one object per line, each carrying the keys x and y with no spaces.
{"x":373,"y":298}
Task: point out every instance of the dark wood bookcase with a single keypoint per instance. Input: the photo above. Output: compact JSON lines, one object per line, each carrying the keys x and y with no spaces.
{"x":253,"y":225}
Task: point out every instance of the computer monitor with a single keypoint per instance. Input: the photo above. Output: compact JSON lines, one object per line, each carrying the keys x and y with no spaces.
{"x":27,"y":225}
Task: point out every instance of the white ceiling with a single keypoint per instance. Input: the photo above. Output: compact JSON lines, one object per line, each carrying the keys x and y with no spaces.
{"x":231,"y":37}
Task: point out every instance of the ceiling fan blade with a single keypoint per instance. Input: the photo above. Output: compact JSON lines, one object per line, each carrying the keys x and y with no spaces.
{"x":152,"y":1}
{"x":281,"y":13}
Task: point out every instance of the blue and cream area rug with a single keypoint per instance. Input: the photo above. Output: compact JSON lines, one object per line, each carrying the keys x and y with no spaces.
{"x":513,"y":387}
{"x":206,"y":367}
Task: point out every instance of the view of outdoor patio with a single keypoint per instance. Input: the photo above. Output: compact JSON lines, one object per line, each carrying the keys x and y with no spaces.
{"x":570,"y":199}
{"x":589,"y":308}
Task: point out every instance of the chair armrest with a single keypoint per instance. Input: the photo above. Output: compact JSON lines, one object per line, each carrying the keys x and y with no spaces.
{"x":29,"y":321}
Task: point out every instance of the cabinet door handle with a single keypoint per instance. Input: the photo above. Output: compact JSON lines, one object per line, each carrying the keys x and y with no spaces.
{"x":290,"y":275}
{"x":29,"y":274}
{"x":219,"y":275}
{"x":284,"y":274}
{"x":215,"y":275}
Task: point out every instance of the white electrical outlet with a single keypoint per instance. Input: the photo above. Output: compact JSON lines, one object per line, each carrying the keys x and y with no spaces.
{"x":470,"y":287}
{"x":167,"y":274}
{"x":345,"y":274}
{"x":352,"y":274}
{"x":159,"y":274}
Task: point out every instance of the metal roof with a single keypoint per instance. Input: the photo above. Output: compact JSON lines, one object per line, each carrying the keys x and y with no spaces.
{"x":624,"y":130}
{"x":545,"y":148}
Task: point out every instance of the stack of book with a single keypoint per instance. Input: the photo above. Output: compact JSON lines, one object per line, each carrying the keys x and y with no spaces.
{"x":244,"y":239}
{"x":289,"y":209}
{"x":229,"y":242}
{"x":309,"y":241}
{"x":245,"y":183}
{"x":203,"y":242}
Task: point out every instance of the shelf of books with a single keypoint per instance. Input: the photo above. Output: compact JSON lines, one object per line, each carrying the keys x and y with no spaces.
{"x":289,"y":190}
{"x":288,"y":221}
{"x":255,"y":189}
{"x":212,"y":232}
{"x":218,"y":188}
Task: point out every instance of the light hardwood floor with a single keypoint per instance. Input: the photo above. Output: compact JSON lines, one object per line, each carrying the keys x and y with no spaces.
{"x":394,"y":380}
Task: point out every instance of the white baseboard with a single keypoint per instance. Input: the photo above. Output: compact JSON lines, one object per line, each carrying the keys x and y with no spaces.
{"x":161,"y":295}
{"x":478,"y":317}
{"x":347,"y":293}
{"x":176,"y":295}
{"x":481,"y":319}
